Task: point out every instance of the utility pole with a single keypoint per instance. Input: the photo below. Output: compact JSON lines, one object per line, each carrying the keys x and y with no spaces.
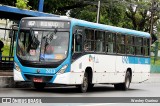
{"x":98,"y":11}
{"x":152,"y":15}
{"x":40,"y":7}
{"x":153,"y":8}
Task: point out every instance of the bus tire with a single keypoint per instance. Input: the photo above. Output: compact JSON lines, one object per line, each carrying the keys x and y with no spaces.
{"x":39,"y":86}
{"x":126,"y":84}
{"x":84,"y":86}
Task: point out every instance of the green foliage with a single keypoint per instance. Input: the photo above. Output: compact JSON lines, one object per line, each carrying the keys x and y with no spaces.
{"x":23,"y":4}
{"x":157,"y":62}
{"x":8,"y":2}
{"x":5,"y":50}
{"x":132,"y":14}
{"x":87,"y":13}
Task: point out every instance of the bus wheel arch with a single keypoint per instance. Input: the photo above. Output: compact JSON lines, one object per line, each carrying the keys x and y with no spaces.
{"x":130,"y":71}
{"x":87,"y":80}
{"x":90,"y":77}
{"x":126,"y":84}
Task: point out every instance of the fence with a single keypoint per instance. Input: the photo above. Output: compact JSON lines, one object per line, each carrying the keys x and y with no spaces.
{"x":155,"y":69}
{"x":6,"y":63}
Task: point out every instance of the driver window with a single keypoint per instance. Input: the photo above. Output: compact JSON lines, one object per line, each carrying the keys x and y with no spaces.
{"x":78,"y":43}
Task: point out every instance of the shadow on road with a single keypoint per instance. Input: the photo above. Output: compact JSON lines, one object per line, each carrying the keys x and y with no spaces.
{"x":73,"y":89}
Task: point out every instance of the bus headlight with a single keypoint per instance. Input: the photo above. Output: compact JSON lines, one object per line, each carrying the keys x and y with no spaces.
{"x":63,"y":69}
{"x":17,"y":67}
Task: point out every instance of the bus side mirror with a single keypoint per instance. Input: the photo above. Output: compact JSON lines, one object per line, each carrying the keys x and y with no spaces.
{"x":78,"y":38}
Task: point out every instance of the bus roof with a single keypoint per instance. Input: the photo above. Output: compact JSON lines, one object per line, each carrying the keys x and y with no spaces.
{"x":95,"y":25}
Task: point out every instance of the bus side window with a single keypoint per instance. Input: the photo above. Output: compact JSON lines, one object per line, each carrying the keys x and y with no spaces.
{"x":146,"y":46}
{"x":78,"y":42}
{"x":78,"y":47}
{"x":99,"y":41}
{"x":111,"y":42}
{"x":130,"y":45}
{"x":139,"y":45}
{"x":120,"y":40}
{"x":89,"y":40}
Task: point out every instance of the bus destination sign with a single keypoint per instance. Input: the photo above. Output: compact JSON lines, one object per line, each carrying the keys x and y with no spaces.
{"x":44,"y":24}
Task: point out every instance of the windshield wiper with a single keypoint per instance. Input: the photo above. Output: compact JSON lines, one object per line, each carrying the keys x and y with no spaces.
{"x":48,"y":38}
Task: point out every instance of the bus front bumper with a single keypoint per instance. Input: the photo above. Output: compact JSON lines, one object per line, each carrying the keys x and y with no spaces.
{"x":68,"y":78}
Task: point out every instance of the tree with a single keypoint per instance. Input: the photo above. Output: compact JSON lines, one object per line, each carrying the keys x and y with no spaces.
{"x":22,"y":4}
{"x":132,"y":14}
{"x":8,"y":2}
{"x":139,"y":12}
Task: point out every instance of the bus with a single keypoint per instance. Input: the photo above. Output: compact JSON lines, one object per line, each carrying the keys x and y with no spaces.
{"x":68,"y":51}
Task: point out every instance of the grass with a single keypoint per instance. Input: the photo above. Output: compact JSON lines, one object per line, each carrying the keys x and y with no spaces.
{"x":5,"y":50}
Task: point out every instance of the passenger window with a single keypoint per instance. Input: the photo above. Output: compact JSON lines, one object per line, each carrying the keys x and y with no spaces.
{"x":130,"y":48}
{"x":99,"y":41}
{"x":139,"y":45}
{"x":120,"y":40}
{"x":110,"y":45}
{"x":146,"y":43}
{"x":89,"y":40}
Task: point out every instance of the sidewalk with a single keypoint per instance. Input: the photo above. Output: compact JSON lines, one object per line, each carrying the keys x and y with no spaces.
{"x":6,"y":80}
{"x":155,"y":77}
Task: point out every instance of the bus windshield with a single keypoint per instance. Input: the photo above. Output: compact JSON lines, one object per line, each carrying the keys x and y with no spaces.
{"x":39,"y":46}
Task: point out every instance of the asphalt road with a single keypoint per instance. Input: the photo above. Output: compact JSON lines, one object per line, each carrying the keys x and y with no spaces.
{"x":136,"y":90}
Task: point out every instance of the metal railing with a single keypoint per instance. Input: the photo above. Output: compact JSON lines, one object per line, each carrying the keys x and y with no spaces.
{"x":6,"y":62}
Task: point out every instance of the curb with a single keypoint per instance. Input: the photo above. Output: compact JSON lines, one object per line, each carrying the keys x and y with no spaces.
{"x":154,"y":78}
{"x":8,"y":82}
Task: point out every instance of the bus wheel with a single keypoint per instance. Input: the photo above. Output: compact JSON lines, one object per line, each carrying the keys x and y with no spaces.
{"x":39,"y":86}
{"x":84,"y":86}
{"x":126,"y":84}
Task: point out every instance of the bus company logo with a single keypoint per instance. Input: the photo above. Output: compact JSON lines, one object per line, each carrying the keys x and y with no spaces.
{"x":125,"y":59}
{"x":91,"y":58}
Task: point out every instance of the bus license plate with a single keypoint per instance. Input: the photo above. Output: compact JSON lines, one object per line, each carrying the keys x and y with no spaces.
{"x":37,"y":80}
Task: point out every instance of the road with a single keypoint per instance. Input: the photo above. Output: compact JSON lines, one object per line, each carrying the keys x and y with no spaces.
{"x":136,"y":90}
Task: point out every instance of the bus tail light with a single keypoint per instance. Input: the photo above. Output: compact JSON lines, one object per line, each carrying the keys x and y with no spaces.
{"x":62,"y":70}
{"x":17,"y":67}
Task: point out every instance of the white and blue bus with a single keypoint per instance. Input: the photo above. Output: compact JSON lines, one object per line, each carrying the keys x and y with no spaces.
{"x":69,"y":51}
